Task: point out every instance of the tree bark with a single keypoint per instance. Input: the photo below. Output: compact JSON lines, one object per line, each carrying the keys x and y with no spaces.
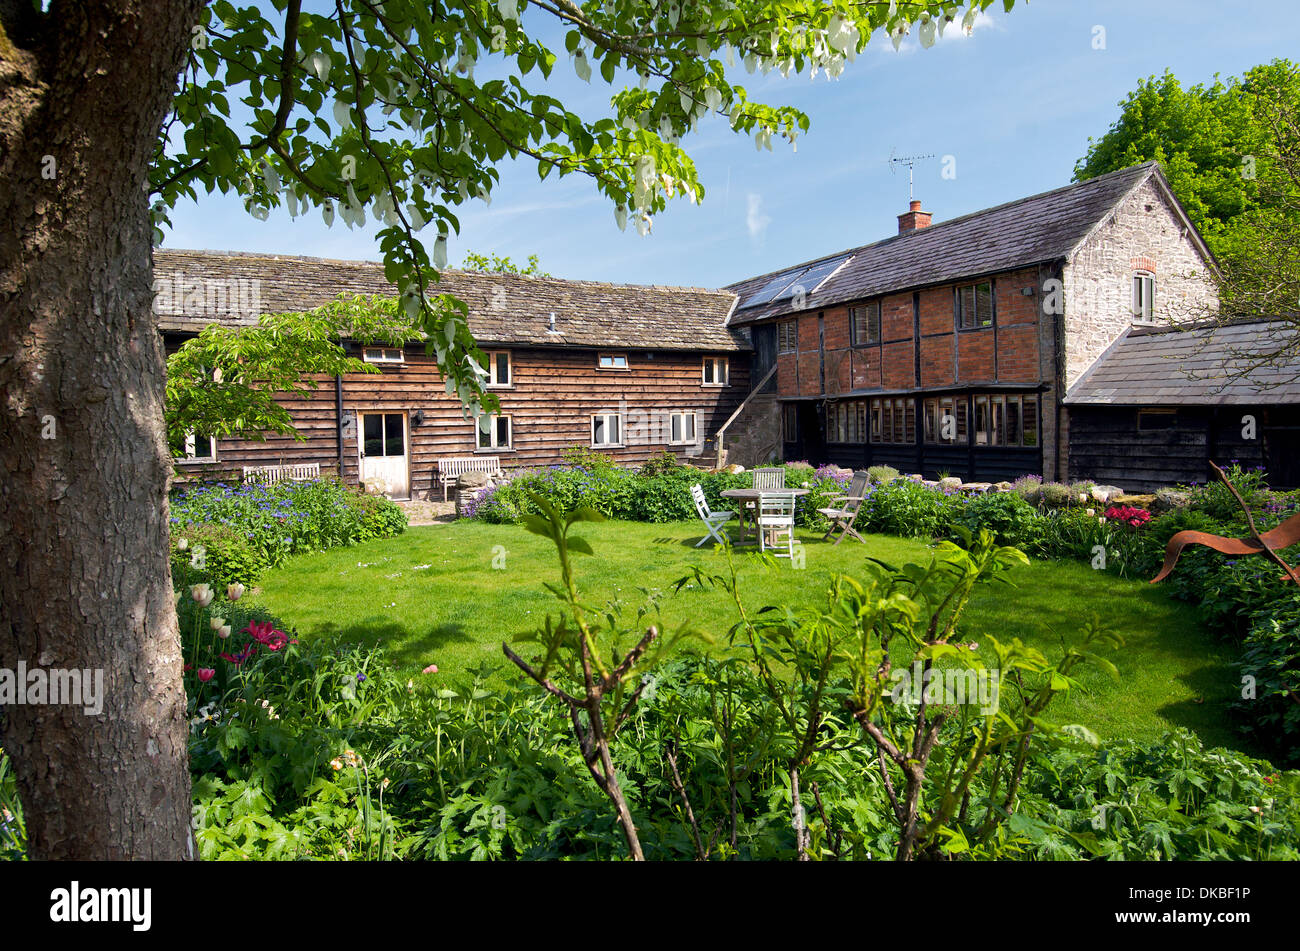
{"x":84,"y":465}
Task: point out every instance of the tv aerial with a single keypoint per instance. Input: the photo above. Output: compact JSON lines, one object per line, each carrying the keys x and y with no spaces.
{"x":910,"y":161}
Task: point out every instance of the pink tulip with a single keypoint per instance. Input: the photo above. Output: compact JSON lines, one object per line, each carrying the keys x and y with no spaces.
{"x":206,"y":674}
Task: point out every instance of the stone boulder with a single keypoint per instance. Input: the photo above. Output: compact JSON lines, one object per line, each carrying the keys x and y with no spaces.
{"x":950,"y":484}
{"x":469,"y":486}
{"x":1169,"y":499}
{"x":1105,"y":493}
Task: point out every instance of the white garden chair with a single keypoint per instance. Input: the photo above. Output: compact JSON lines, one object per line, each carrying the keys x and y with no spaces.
{"x":712,"y":520}
{"x":765,"y":479}
{"x":776,"y":517}
{"x":844,"y":509}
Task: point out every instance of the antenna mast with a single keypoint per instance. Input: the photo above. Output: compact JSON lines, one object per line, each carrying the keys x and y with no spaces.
{"x":910,"y":161}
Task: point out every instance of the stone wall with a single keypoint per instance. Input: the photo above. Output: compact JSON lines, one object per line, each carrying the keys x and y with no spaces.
{"x":755,"y":435}
{"x":1144,"y":233}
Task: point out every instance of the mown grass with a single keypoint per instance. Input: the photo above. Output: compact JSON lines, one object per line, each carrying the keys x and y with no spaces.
{"x":432,"y":596}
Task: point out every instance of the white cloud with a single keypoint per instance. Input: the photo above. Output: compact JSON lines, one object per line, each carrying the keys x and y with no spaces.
{"x":756,"y":220}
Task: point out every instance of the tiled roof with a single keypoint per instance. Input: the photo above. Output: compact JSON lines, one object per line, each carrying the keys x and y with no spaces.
{"x":1204,"y":367}
{"x":504,"y":308}
{"x":1034,"y":230}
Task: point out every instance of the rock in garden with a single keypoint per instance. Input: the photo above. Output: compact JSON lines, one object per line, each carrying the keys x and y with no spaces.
{"x":950,"y":484}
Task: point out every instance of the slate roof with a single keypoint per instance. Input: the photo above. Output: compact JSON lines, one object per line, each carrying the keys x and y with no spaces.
{"x":504,"y":308}
{"x":1028,"y":231}
{"x":1207,"y":366}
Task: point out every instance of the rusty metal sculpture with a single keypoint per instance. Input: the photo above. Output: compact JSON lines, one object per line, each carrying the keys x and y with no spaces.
{"x":1267,"y":544}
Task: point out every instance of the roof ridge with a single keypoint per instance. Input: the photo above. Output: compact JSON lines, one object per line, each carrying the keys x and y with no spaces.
{"x":929,"y":229}
{"x":354,"y":262}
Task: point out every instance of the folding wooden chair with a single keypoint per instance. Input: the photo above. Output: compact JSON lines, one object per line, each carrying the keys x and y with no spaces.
{"x":776,"y":517}
{"x":767,"y":479}
{"x":712,"y":520}
{"x":844,"y":509}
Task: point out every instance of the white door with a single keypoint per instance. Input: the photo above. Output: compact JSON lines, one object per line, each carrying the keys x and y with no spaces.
{"x":383,"y":454}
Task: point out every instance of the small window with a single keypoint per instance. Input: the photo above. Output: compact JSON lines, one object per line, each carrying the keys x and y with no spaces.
{"x":606,"y":430}
{"x":790,"y":422}
{"x":497,"y":435}
{"x":975,"y":306}
{"x":498,"y":368}
{"x":194,"y":448}
{"x":715,"y":371}
{"x":864,"y":324}
{"x":846,"y":422}
{"x":612,"y":361}
{"x":383,"y":355}
{"x":892,"y":420}
{"x":944,"y":419}
{"x":1144,"y":295}
{"x":681,"y":429}
{"x":787,"y":337}
{"x":1154,"y":420}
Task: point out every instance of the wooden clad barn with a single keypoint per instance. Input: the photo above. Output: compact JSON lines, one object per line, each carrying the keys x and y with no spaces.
{"x":624,"y":369}
{"x":948,"y":347}
{"x":1161,"y":404}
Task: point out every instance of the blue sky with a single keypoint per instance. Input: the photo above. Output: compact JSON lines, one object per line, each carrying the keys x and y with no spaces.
{"x":1012,"y":105}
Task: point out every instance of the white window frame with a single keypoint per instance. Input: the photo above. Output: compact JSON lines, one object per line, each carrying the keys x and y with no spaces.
{"x":383,"y":355}
{"x":192,"y":445}
{"x":606,"y":417}
{"x":1144,"y":295}
{"x":627,"y":364}
{"x":492,"y":382}
{"x":673,"y":421}
{"x":493,"y":437}
{"x":715,"y":362}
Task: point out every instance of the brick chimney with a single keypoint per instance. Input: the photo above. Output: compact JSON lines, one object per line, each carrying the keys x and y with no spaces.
{"x":914,"y":218}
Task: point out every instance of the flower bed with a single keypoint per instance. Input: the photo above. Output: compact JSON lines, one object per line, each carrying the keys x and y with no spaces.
{"x":231,"y":533}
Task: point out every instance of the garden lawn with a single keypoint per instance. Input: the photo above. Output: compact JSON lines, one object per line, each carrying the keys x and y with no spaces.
{"x":432,"y":596}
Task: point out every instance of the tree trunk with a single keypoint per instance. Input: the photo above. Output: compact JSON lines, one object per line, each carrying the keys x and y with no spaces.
{"x":84,"y":465}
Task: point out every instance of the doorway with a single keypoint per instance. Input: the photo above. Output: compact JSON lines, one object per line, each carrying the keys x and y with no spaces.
{"x":383,"y":450}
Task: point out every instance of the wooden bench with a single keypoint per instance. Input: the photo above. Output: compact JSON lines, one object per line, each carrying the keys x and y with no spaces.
{"x":269,"y":475}
{"x":449,"y":470}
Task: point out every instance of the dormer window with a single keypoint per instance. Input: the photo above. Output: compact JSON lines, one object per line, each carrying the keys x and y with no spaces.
{"x":1144,"y":295}
{"x":382,"y":355}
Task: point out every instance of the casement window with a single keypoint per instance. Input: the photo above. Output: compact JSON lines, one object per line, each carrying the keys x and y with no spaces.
{"x":1144,"y":295}
{"x":945,"y":420}
{"x":846,"y":422}
{"x":498,"y":435}
{"x":612,"y":361}
{"x":1005,"y":420}
{"x":1155,"y":420}
{"x":790,"y":422}
{"x":681,"y":429}
{"x":383,"y":355}
{"x":787,"y":337}
{"x":864,"y":324}
{"x":498,"y":367}
{"x":893,"y":420}
{"x":606,"y":430}
{"x":974,"y":306}
{"x":195,"y":448}
{"x":715,"y":371}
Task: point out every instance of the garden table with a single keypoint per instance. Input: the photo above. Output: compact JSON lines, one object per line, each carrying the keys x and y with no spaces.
{"x":751,"y":495}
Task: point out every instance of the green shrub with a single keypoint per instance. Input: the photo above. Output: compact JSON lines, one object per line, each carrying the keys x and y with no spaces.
{"x":215,"y":553}
{"x":1013,"y":520}
{"x":909,"y":509}
{"x":1054,"y":495}
{"x":882,"y":474}
{"x":584,"y":457}
{"x":665,"y":463}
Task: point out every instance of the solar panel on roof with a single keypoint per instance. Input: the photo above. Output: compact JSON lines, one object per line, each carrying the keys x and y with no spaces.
{"x":773,"y":287}
{"x":811,"y":278}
